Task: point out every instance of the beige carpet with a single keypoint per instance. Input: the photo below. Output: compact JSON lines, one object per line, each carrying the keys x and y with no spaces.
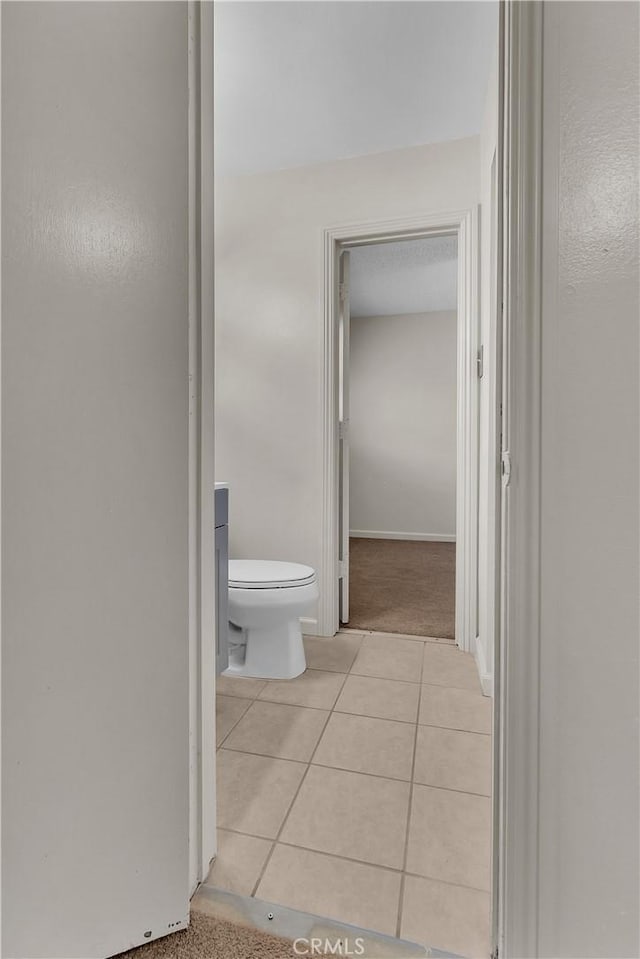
{"x":402,"y":586}
{"x":211,"y":938}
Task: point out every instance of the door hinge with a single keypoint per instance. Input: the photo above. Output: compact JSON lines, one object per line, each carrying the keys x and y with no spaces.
{"x":342,"y":291}
{"x":505,"y":461}
{"x":340,"y":569}
{"x":480,"y":362}
{"x":343,"y":429}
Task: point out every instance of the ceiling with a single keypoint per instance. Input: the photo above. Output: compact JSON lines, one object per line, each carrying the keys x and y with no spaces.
{"x":410,"y":276}
{"x":301,"y":82}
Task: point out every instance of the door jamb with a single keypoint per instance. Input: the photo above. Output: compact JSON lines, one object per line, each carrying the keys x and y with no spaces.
{"x":516,"y":712}
{"x":463,"y":223}
{"x":516,"y":716}
{"x":202,"y":794}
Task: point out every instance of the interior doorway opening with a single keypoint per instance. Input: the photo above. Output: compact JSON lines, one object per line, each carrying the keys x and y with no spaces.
{"x":446,"y":231}
{"x":361,"y":790}
{"x":397,"y":431}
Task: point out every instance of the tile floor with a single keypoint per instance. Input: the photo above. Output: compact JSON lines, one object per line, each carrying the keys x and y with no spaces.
{"x":360,"y":791}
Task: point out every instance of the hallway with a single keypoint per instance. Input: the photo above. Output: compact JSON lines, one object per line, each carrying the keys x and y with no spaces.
{"x":402,"y":586}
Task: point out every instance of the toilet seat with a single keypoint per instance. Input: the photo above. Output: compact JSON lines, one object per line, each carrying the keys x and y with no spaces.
{"x":268,"y":574}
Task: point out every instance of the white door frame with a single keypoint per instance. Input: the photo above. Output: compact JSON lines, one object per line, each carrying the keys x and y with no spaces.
{"x":202,"y":734}
{"x":516,"y":712}
{"x":517,"y":694}
{"x":464,"y":224}
{"x":344,"y":354}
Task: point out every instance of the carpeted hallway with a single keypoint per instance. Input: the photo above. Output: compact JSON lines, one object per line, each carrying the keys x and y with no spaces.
{"x":210,"y":938}
{"x":402,"y":586}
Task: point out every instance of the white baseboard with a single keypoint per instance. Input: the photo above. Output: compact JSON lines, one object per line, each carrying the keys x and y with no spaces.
{"x":486,"y":678}
{"x":381,"y":534}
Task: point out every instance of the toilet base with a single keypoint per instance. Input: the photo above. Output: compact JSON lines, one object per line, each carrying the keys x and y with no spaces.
{"x":275,"y":652}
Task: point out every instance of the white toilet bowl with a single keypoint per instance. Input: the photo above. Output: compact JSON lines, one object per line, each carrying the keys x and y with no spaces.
{"x":266,"y":600}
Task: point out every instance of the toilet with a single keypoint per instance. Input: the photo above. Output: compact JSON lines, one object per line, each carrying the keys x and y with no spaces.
{"x":266,"y":600}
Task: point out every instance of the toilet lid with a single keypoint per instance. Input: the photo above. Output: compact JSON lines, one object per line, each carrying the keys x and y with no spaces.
{"x":268,"y":574}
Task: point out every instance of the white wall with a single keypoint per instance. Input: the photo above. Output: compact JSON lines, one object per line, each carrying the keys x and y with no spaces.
{"x":403,"y":425}
{"x":95,"y":769}
{"x":490,"y":388}
{"x":589,"y":670}
{"x":270,"y":324}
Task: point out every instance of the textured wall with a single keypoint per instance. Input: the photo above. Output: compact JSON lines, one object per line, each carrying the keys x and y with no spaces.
{"x":589,"y":667}
{"x":95,"y":770}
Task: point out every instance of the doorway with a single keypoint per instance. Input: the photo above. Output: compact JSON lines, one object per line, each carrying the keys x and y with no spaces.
{"x":398,"y":436}
{"x":460,"y":229}
{"x":345,"y":790}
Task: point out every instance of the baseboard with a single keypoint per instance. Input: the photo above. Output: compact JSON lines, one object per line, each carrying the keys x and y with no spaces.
{"x":382,"y":534}
{"x":486,"y":678}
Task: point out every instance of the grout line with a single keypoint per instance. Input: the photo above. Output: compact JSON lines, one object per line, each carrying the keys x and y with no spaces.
{"x":382,"y":719}
{"x":355,"y":772}
{"x":332,"y":855}
{"x":291,"y":805}
{"x":288,"y":813}
{"x":447,"y":882}
{"x":409,"y":812}
{"x":259,"y":698}
{"x":466,"y":689}
{"x":275,"y":702}
{"x":309,"y":669}
{"x":273,"y":841}
{"x":246,"y":752}
{"x":396,"y":871}
{"x":322,"y":639}
{"x":410,"y":722}
{"x":396,"y":638}
{"x":339,"y":712}
{"x":246,"y":699}
{"x":385,"y":719}
{"x":359,"y":772}
{"x":263,"y":699}
{"x":338,"y":769}
{"x":229,"y":731}
{"x":412,"y":682}
{"x":277,"y":840}
{"x":267,"y":860}
{"x":450,"y":789}
{"x":455,"y":729}
{"x":346,"y":712}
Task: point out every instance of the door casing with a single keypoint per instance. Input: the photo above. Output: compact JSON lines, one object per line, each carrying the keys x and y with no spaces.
{"x":344,"y":354}
{"x":517,"y":577}
{"x":202,"y":600}
{"x":464,"y":225}
{"x":517,"y":654}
